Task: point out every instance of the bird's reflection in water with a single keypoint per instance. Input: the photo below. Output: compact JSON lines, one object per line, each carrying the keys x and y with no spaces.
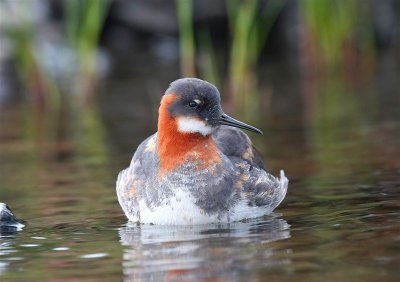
{"x":223,"y":252}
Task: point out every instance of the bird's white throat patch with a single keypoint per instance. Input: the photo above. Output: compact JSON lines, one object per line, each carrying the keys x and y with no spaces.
{"x":193,"y":125}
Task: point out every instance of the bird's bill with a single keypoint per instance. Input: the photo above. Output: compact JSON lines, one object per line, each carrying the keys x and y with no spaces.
{"x":227,"y":120}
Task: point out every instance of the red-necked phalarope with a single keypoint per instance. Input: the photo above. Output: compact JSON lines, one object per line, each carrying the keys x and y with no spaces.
{"x":198,"y":168}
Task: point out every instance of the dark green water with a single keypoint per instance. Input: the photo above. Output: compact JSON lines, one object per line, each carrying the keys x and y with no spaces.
{"x":337,"y":140}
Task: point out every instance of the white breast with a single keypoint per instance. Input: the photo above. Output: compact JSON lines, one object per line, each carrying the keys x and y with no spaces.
{"x":177,"y":210}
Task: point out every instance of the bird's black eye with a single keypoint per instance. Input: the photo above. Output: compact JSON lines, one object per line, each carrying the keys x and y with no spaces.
{"x":193,"y":104}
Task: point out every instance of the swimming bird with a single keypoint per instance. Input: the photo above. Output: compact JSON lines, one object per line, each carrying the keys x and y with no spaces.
{"x":199,"y":167}
{"x":8,"y":221}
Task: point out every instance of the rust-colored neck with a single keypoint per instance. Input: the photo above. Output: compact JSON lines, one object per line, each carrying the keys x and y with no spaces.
{"x":174,"y":147}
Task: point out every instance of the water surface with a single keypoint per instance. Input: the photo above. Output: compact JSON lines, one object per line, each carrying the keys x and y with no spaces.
{"x":338,"y":142}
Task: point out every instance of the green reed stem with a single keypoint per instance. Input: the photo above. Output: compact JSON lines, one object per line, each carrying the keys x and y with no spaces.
{"x":208,"y":63}
{"x":187,"y":47}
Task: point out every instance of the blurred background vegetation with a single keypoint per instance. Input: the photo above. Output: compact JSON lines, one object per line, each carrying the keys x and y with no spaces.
{"x":68,"y":65}
{"x":52,"y":47}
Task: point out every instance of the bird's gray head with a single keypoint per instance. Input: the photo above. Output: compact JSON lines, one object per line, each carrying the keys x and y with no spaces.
{"x":196,"y":105}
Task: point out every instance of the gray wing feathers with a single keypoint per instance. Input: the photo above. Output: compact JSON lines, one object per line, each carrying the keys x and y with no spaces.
{"x":236,"y":145}
{"x":269,"y":190}
{"x":128,"y":203}
{"x":130,"y":181}
{"x":260,"y":187}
